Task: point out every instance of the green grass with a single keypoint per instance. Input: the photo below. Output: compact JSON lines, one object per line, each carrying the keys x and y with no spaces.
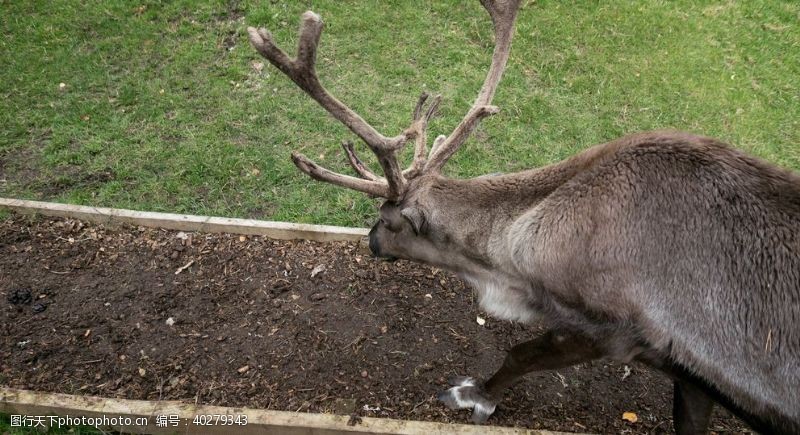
{"x":163,"y":109}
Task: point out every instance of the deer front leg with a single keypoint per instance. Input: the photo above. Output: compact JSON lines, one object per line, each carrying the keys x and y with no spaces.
{"x":552,"y":350}
{"x":691,"y":409}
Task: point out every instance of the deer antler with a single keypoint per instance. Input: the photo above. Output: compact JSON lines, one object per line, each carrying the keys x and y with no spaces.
{"x":503,"y":14}
{"x":302,"y":71}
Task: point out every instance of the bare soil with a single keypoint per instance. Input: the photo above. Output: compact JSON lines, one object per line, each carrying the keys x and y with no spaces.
{"x":230,"y":320}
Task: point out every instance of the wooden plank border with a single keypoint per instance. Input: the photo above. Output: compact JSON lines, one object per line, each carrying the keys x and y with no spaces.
{"x":31,"y":403}
{"x":171,"y":221}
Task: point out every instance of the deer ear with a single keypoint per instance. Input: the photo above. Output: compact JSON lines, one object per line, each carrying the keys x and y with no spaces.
{"x":415,"y":217}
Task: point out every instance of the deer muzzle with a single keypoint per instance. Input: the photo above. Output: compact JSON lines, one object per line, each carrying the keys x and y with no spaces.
{"x":375,"y":246}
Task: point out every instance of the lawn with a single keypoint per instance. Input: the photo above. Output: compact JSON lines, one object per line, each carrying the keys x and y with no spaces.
{"x":164,"y":106}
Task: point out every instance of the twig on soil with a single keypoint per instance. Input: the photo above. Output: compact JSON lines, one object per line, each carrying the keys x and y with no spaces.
{"x":562,"y":378}
{"x":420,"y":403}
{"x":184,"y":267}
{"x":457,"y":335}
{"x":26,"y":320}
{"x":355,"y":342}
{"x":91,"y":361}
{"x":56,"y":272}
{"x":660,"y":423}
{"x":71,"y":240}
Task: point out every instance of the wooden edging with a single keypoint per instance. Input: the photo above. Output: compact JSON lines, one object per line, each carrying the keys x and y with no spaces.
{"x":171,"y":221}
{"x":182,"y":418}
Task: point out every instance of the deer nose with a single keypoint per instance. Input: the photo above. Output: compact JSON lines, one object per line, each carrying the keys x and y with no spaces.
{"x":373,"y":242}
{"x":374,"y":246}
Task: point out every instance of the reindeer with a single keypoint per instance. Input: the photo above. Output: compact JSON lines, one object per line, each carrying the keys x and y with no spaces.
{"x":667,"y":248}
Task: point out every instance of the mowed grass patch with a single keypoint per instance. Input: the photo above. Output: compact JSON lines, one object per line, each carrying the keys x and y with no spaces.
{"x":165,"y":106}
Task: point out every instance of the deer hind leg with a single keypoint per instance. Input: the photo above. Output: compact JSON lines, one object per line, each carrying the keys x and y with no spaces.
{"x":552,"y":350}
{"x":691,"y":408}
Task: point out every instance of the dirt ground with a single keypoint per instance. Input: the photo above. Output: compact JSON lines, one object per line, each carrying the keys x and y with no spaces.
{"x":230,"y":320}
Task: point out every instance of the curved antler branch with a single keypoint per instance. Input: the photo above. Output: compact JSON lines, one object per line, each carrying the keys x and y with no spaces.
{"x":357,"y":164}
{"x":420,"y":123}
{"x":307,"y":166}
{"x":503,"y":14}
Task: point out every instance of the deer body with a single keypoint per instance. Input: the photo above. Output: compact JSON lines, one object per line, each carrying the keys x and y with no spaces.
{"x":665,"y":247}
{"x":661,"y":243}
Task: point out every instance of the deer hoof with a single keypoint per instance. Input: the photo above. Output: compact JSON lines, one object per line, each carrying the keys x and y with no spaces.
{"x":467,"y":393}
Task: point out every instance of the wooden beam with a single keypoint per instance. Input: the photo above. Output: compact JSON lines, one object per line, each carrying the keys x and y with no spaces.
{"x":109,"y":216}
{"x":30,"y":403}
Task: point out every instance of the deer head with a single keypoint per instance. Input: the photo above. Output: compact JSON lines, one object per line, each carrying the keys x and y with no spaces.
{"x":408,"y":227}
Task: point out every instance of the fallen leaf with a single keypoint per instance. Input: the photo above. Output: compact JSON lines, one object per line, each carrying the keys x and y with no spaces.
{"x":630,"y":416}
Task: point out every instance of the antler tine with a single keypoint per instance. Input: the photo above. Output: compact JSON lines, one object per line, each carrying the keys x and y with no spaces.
{"x":357,"y":164}
{"x":371,"y":187}
{"x":420,"y":123}
{"x":437,"y":142}
{"x":503,"y":14}
{"x":301,"y":71}
{"x":420,"y":105}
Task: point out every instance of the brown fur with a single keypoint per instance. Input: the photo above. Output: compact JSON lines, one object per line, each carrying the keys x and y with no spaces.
{"x":666,"y":247}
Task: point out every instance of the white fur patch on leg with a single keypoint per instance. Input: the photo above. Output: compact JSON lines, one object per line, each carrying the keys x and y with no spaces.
{"x":465,"y":394}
